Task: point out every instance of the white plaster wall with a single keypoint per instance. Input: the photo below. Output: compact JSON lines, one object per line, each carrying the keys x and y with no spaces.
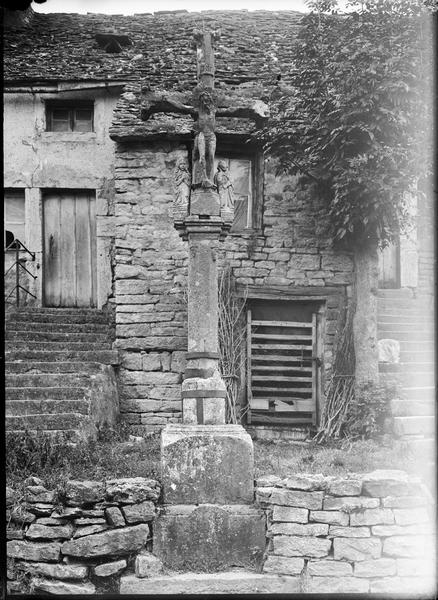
{"x":35,"y":159}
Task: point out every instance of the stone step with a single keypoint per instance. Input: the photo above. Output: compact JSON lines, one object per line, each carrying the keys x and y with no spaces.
{"x":29,"y":346}
{"x":68,"y":435}
{"x":405,"y":327}
{"x":395,"y":293}
{"x":107,"y":357}
{"x":34,"y":367}
{"x":27,"y":326}
{"x":403,"y":304}
{"x":47,"y":421}
{"x":417,"y":346}
{"x":422,"y":379}
{"x":58,"y":316}
{"x":423,"y":447}
{"x":29,"y":380}
{"x":416,"y":356}
{"x":426,"y":337}
{"x":418,"y":393}
{"x":414,"y":317}
{"x":54,"y":336}
{"x":227,"y":582}
{"x":48,"y":393}
{"x":415,"y":367}
{"x":416,"y":408}
{"x":21,"y":408}
{"x":424,"y":425}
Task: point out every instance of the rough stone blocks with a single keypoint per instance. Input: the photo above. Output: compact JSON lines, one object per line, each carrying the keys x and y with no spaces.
{"x":207,"y":464}
{"x":210,"y":537}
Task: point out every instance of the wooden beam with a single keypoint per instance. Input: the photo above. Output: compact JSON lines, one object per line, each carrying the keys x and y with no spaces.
{"x":281,"y":336}
{"x":282,"y":368}
{"x":280,"y":418}
{"x":281,"y":347}
{"x":279,"y":292}
{"x":281,"y":358}
{"x":282,"y":378}
{"x":301,"y":324}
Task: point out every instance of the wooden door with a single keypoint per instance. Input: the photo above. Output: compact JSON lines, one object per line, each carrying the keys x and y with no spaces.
{"x":70,"y":276}
{"x":389,"y":266}
{"x":284,"y":370}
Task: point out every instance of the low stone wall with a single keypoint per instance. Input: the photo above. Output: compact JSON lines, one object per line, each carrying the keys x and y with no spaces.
{"x":81,"y":539}
{"x":365,"y":533}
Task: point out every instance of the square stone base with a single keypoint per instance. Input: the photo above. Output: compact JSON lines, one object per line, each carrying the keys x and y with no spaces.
{"x":207,"y":464}
{"x":210,"y":538}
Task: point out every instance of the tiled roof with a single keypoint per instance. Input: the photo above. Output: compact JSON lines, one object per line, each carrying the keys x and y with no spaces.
{"x":255,"y":46}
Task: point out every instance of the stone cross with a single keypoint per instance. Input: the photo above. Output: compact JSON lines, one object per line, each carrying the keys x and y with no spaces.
{"x":203,"y":390}
{"x":203,"y":222}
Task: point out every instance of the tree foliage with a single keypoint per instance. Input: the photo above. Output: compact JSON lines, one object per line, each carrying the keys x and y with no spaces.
{"x":355,"y":116}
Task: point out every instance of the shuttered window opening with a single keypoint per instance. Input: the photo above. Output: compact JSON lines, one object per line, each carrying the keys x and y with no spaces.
{"x":282,"y":371}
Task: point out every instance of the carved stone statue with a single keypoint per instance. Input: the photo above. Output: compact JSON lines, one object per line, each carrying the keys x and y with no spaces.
{"x":224,"y":186}
{"x":204,"y":147}
{"x":182,"y":183}
{"x":204,"y":104}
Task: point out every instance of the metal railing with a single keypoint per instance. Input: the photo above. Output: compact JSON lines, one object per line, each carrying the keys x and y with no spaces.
{"x":17,"y":246}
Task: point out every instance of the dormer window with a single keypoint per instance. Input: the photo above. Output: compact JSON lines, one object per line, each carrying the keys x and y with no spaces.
{"x":111,"y":41}
{"x":69,"y":116}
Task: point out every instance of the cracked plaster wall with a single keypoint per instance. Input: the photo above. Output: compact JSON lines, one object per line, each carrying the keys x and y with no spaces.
{"x":35,"y":160}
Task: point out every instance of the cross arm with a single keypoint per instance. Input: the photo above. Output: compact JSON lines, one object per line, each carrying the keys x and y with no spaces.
{"x":155,"y":102}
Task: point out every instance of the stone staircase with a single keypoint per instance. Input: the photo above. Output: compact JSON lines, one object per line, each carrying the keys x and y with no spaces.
{"x":59,"y":371}
{"x":410,"y":320}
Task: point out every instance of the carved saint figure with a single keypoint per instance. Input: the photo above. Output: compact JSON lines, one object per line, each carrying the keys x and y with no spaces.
{"x":182,"y":189}
{"x":224,"y":186}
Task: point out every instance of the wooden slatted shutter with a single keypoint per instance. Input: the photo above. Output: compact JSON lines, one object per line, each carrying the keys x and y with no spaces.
{"x":284,"y":370}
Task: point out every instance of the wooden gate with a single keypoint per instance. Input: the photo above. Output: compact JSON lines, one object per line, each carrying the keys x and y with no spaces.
{"x":284,"y":370}
{"x":69,"y":220}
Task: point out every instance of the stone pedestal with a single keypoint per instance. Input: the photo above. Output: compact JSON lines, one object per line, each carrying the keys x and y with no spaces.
{"x":209,"y":521}
{"x":210,"y":537}
{"x":207,"y":464}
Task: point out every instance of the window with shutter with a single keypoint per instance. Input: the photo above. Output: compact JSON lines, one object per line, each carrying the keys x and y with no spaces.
{"x":69,"y":116}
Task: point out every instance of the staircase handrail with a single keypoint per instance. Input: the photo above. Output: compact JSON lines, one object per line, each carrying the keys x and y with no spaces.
{"x":17,"y":246}
{"x":13,"y":247}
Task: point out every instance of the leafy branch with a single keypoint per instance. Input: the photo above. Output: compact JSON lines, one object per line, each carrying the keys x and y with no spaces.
{"x":355,"y":114}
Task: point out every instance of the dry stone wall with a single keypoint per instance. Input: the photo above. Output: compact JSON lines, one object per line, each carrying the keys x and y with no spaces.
{"x":370,"y":532}
{"x":292,"y":249}
{"x":365,"y":533}
{"x":81,"y":539}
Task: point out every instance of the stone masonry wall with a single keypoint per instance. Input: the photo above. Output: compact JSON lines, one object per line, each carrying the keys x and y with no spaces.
{"x":80,"y":540}
{"x":370,"y":532}
{"x":365,"y":533}
{"x":293,"y":248}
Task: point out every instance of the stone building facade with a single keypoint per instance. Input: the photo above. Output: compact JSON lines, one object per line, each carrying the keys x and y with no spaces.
{"x":279,"y":252}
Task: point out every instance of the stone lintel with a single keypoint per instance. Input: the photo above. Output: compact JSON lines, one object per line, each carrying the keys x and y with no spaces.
{"x":207,"y":464}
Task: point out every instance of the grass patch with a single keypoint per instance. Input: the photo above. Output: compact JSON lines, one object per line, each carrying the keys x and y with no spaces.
{"x":114,"y":454}
{"x":54,"y":461}
{"x":340,"y":458}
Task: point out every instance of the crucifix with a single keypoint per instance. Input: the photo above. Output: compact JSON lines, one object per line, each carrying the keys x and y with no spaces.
{"x":203,"y":222}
